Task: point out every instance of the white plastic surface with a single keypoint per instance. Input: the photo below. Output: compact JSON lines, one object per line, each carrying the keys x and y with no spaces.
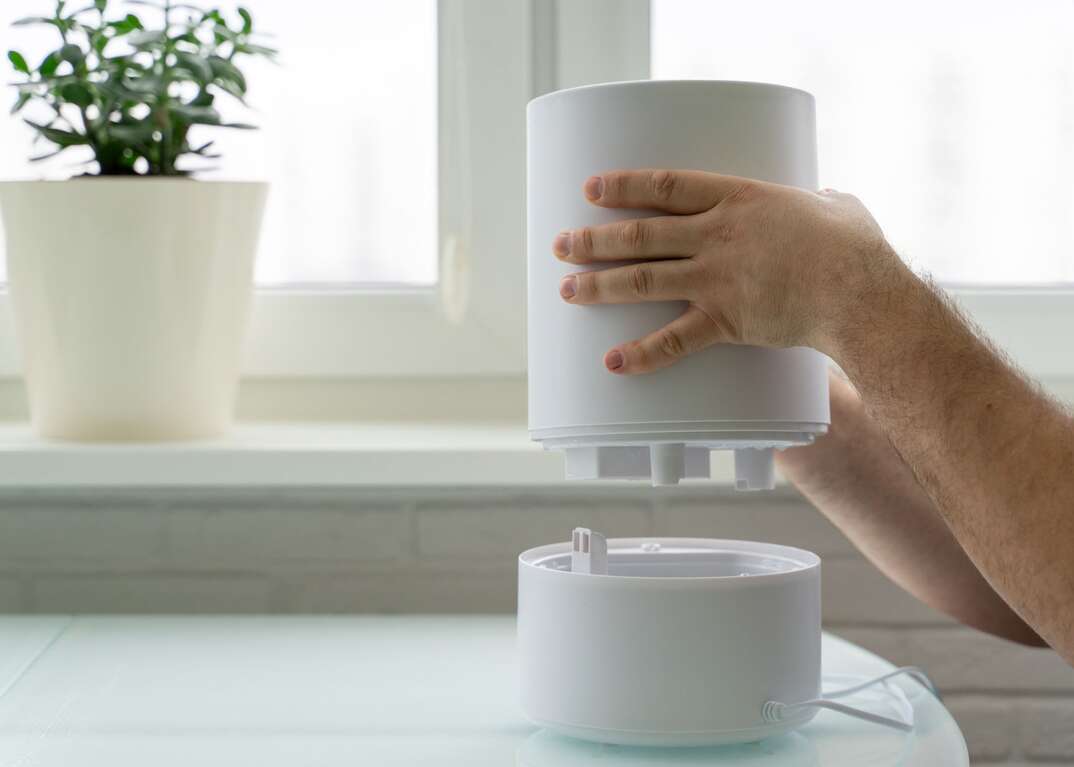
{"x":131,"y":313}
{"x":726,"y":396}
{"x":681,"y":643}
{"x":755,"y":469}
{"x":391,"y":691}
{"x":634,"y":462}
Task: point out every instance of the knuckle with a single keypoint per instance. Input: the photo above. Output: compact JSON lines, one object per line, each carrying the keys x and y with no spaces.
{"x":641,"y":280}
{"x":662,"y":184}
{"x":670,"y":343}
{"x":634,"y":234}
{"x":725,"y":326}
{"x":721,"y":229}
{"x":585,"y":242}
{"x":616,"y":186}
{"x":744,"y":192}
{"x":588,"y":286}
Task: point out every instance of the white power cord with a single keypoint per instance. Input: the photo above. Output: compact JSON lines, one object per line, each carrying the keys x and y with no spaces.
{"x":775,"y":711}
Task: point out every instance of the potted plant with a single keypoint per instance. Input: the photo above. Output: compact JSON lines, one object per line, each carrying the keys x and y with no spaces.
{"x":131,"y":283}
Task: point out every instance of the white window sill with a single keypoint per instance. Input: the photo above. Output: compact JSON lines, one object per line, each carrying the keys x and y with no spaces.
{"x":297,"y":455}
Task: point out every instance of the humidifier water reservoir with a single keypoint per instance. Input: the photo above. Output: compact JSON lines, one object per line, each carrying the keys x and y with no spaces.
{"x":668,"y":641}
{"x":659,"y":425}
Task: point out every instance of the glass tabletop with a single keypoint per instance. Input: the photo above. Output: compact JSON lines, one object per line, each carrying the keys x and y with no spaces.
{"x":342,"y":690}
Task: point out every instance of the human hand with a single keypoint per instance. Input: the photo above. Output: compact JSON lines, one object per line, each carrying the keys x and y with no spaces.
{"x":759,"y":263}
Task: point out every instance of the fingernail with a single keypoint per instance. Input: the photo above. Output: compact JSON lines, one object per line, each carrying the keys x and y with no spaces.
{"x":568,"y":286}
{"x":614,"y":359}
{"x":594,"y":188}
{"x":562,"y":245}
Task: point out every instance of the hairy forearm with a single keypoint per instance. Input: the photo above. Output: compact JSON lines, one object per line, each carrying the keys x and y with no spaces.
{"x":858,"y":481}
{"x":993,"y":453}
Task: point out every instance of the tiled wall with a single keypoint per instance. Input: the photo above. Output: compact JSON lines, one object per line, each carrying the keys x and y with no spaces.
{"x":454,"y":550}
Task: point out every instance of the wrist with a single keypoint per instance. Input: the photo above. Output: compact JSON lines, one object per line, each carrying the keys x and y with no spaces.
{"x":863,"y":314}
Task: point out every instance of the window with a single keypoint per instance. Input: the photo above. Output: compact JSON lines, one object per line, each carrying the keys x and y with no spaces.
{"x":348,"y":138}
{"x":953,"y":121}
{"x":395,"y":142}
{"x":394,"y":138}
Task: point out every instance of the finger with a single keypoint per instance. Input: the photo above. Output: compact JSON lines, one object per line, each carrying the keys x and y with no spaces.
{"x":673,"y":191}
{"x":648,"y":281}
{"x":660,"y":237}
{"x":690,"y":332}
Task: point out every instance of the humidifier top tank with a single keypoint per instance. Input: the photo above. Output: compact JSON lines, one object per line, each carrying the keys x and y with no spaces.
{"x":660,"y":425}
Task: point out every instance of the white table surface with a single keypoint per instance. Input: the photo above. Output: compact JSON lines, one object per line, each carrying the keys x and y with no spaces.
{"x":334,"y":690}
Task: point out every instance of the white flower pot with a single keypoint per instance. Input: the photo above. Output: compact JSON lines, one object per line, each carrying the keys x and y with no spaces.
{"x":131,"y":298}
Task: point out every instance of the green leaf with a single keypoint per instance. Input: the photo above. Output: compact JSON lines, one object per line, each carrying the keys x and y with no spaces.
{"x":195,"y":115}
{"x":58,"y":136}
{"x":49,"y":64}
{"x":98,"y":41}
{"x":197,"y":65}
{"x":225,"y":70}
{"x":131,"y":134}
{"x":144,"y":37}
{"x":247,"y":20}
{"x":18,"y":62}
{"x":32,"y":20}
{"x":101,"y":5}
{"x":144,"y":84}
{"x":202,"y":151}
{"x":77,"y":93}
{"x":203,"y":99}
{"x":20,"y":102}
{"x":126,"y":25}
{"x":40,"y":157}
{"x":257,"y":50}
{"x":232,"y":90}
{"x":73,"y":55}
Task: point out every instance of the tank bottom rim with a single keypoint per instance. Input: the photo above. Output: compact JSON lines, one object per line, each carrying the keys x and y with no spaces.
{"x":722,"y":439}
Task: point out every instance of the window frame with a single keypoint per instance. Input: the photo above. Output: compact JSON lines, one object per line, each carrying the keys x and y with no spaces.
{"x":473,"y":322}
{"x":1031,"y":324}
{"x":451,"y":328}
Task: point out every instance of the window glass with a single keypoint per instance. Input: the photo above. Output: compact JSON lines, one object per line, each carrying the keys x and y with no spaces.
{"x":953,"y":121}
{"x":348,"y":136}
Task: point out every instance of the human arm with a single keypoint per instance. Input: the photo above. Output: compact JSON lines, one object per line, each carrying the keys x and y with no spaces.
{"x":855,"y":477}
{"x":766,"y":264}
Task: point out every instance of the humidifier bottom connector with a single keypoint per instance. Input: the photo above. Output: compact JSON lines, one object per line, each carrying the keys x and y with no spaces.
{"x":666,"y":463}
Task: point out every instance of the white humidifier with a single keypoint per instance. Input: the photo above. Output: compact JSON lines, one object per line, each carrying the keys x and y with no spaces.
{"x":668,"y":641}
{"x":661,"y":425}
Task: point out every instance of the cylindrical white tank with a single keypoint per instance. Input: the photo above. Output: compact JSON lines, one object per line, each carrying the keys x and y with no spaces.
{"x":674,"y":642}
{"x":660,"y":425}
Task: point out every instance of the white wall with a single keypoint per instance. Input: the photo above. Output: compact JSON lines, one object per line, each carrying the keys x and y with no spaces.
{"x":454,"y":550}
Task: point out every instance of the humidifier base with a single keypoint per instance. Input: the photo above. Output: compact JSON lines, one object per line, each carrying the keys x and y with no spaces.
{"x":667,"y":641}
{"x":657,"y":738}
